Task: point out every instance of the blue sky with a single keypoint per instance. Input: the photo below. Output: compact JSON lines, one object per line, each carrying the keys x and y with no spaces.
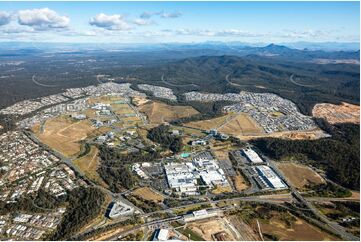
{"x":154,"y":22}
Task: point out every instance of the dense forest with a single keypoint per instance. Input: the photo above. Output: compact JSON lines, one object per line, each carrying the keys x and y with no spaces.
{"x":161,"y":134}
{"x":84,"y":204}
{"x":114,"y":166}
{"x":338,"y":155}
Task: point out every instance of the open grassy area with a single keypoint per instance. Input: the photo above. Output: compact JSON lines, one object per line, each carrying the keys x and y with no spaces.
{"x":210,"y":123}
{"x":190,"y":234}
{"x":300,"y":175}
{"x":242,"y":124}
{"x":299,"y":230}
{"x":89,"y":165}
{"x":158,"y":112}
{"x":64,"y":134}
{"x":239,"y":182}
{"x":147,"y":194}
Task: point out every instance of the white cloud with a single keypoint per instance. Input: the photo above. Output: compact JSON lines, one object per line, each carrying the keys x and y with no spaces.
{"x":162,"y":14}
{"x":4,"y":18}
{"x":215,"y":33}
{"x":42,"y":19}
{"x":170,"y":15}
{"x":143,"y":22}
{"x":110,"y":22}
{"x":147,"y":15}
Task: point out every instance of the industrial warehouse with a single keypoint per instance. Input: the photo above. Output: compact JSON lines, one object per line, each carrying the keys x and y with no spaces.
{"x":185,"y":178}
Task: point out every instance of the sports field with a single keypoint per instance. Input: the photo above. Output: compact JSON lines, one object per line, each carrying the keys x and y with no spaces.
{"x":64,"y":134}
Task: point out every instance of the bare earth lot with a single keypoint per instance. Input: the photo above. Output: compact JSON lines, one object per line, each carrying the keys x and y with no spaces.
{"x":158,"y":112}
{"x":300,"y":175}
{"x":208,"y":228}
{"x":345,"y":112}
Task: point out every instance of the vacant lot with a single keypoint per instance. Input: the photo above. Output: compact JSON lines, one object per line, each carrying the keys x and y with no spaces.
{"x":207,"y":229}
{"x":158,"y":112}
{"x":300,"y":175}
{"x":221,"y":189}
{"x":343,"y":113}
{"x":210,"y":123}
{"x":147,"y":194}
{"x":242,"y":124}
{"x":299,"y":230}
{"x":139,"y":101}
{"x":89,"y":165}
{"x":239,"y":182}
{"x":64,"y":135}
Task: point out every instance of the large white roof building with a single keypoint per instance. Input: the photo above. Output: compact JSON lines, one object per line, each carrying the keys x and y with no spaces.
{"x":270,"y":177}
{"x":252,"y":155}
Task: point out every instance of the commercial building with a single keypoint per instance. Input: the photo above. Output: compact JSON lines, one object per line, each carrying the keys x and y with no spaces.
{"x":161,"y":235}
{"x":252,"y":156}
{"x":270,"y":178}
{"x":181,"y":178}
{"x":118,"y":209}
{"x":201,"y":214}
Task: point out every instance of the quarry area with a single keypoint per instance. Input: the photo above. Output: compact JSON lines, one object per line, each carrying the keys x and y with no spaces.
{"x":342,"y":113}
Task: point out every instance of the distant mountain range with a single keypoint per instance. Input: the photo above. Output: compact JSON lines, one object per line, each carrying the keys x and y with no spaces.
{"x":179,"y":51}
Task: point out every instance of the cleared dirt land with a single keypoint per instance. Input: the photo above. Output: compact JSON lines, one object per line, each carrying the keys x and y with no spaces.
{"x":242,"y":124}
{"x":138,"y":101}
{"x":89,"y":165}
{"x":147,"y":194}
{"x":292,"y":135}
{"x":207,"y":229}
{"x":300,"y":175}
{"x":64,"y":135}
{"x":158,"y":112}
{"x":345,"y":112}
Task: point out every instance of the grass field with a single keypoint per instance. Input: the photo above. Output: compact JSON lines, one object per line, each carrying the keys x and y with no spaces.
{"x":242,"y":124}
{"x":300,"y":175}
{"x":64,"y":135}
{"x":210,"y":123}
{"x":221,"y":189}
{"x":299,"y":230}
{"x":158,"y":112}
{"x":147,"y":194}
{"x":89,"y":164}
